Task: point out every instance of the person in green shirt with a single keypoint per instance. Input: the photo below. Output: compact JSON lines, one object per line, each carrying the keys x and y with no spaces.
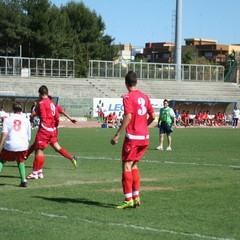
{"x":166,"y":121}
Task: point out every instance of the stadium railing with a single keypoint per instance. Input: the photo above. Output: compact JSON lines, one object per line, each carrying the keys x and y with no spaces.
{"x":161,"y":71}
{"x":36,"y":67}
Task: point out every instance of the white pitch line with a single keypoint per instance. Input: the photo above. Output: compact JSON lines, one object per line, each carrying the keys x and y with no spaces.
{"x":155,"y":161}
{"x":130,"y":226}
{"x":203,"y":164}
{"x":197,"y":164}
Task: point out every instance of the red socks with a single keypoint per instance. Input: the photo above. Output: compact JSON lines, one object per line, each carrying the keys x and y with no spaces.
{"x":136,"y":183}
{"x":38,"y":163}
{"x":127,"y":185}
{"x":131,"y":184}
{"x":65,"y":154}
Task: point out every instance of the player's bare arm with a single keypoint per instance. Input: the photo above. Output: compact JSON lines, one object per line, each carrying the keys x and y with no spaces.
{"x":69,"y":117}
{"x":151,"y":118}
{"x":126,"y":120}
{"x":174,"y":123}
{"x":3,"y":138}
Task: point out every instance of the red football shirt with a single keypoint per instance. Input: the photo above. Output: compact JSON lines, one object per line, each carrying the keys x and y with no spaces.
{"x":48,"y":114}
{"x":138,"y":104}
{"x":59,"y":108}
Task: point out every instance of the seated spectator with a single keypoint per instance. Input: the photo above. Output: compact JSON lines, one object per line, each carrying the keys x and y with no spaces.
{"x":206,"y":119}
{"x":115,"y":119}
{"x":119,"y":120}
{"x":110,"y":121}
{"x":224,"y":119}
{"x":183,"y":118}
{"x":216,"y":119}
{"x":178,"y":118}
{"x":198,"y":118}
{"x":187,"y":118}
{"x":191,"y":120}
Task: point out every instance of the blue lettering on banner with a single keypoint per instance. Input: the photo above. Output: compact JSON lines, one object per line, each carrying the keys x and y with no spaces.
{"x":110,"y":108}
{"x":115,"y":108}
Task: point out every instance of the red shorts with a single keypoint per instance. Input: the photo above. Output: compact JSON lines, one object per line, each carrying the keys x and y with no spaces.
{"x":133,"y":150}
{"x":44,"y":138}
{"x":9,"y":156}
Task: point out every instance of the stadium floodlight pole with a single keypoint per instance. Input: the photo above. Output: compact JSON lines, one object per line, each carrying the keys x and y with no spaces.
{"x":178,"y":38}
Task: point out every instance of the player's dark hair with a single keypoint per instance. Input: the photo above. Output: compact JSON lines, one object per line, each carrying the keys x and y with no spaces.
{"x":17,"y":107}
{"x":131,"y":79}
{"x":43,"y":90}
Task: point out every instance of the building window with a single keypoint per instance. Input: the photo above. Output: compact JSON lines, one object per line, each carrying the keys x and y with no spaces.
{"x":208,"y":55}
{"x":166,"y":55}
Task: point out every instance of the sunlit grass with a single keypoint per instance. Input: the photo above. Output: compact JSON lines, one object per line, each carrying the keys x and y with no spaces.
{"x":191,"y":192}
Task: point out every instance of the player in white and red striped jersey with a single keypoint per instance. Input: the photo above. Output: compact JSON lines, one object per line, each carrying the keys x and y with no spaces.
{"x":138,"y":114}
{"x":16,"y":134}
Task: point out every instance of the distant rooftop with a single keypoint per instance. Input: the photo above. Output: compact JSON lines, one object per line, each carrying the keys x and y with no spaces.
{"x":202,"y":40}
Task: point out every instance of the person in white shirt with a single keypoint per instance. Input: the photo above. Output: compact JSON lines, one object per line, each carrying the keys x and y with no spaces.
{"x":15,"y":137}
{"x":3,"y":115}
{"x":235,"y":113}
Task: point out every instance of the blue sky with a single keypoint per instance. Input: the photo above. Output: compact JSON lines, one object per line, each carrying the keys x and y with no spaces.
{"x":142,"y":21}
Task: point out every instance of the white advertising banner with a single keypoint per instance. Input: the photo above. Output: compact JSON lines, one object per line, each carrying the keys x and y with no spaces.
{"x":111,"y":105}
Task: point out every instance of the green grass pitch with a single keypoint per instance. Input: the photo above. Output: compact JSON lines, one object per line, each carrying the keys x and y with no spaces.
{"x":192,"y":192}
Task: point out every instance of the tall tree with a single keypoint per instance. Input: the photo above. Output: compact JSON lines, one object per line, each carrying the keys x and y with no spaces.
{"x":14,"y":27}
{"x":89,"y":41}
{"x":38,"y":13}
{"x":46,"y":31}
{"x":61,"y":34}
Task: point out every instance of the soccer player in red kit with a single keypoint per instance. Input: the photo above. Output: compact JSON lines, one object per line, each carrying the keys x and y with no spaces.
{"x":60,"y":111}
{"x":47,"y":133}
{"x":138,"y":114}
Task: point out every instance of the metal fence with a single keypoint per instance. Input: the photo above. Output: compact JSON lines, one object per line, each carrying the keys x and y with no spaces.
{"x":189,"y":72}
{"x":47,"y":67}
{"x":36,"y":67}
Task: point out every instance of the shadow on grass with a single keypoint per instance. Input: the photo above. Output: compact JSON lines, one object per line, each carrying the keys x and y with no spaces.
{"x":8,"y":176}
{"x":15,"y":166}
{"x":78,"y":200}
{"x":7,"y":184}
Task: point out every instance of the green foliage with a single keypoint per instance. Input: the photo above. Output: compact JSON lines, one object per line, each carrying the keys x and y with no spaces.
{"x":13,"y":25}
{"x":229,"y":60}
{"x":37,"y":12}
{"x":190,"y":56}
{"x":189,"y":193}
{"x":44,"y":30}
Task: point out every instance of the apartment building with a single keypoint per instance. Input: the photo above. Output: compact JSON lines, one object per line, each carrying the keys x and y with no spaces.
{"x":128,"y":53}
{"x":163,"y":52}
{"x":210,"y":49}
